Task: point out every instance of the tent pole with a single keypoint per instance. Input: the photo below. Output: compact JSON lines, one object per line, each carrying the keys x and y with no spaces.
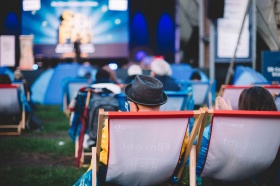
{"x":230,"y":68}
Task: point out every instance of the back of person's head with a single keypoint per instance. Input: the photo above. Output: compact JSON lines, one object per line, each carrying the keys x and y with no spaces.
{"x":5,"y":79}
{"x":113,"y":75}
{"x":195,"y":76}
{"x":160,"y":67}
{"x":18,"y":75}
{"x":134,"y":69}
{"x":102,"y":74}
{"x":256,"y":98}
{"x":146,"y":91}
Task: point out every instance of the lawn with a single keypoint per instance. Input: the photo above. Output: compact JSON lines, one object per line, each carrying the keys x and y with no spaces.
{"x":43,"y":157}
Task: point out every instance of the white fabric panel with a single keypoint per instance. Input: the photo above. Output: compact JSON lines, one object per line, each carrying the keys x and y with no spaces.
{"x":200,"y":92}
{"x":73,"y":89}
{"x":233,"y":96}
{"x":272,"y":90}
{"x":241,"y":147}
{"x":9,"y":101}
{"x":144,"y":151}
{"x":173,"y":103}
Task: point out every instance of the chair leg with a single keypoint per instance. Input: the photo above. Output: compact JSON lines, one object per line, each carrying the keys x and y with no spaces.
{"x":193,"y":166}
{"x":93,"y":165}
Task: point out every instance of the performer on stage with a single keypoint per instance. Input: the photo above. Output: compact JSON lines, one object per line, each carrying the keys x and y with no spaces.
{"x":77,"y":49}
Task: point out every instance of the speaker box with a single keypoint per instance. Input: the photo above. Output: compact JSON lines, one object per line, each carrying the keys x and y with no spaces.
{"x":215,"y":9}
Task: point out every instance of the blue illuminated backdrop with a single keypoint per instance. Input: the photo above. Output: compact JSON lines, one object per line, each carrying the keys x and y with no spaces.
{"x":100,"y":22}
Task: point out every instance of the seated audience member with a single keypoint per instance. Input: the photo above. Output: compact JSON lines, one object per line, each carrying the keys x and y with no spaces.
{"x":18,"y":78}
{"x":103,"y":80}
{"x":195,"y":76}
{"x":32,"y":121}
{"x":161,"y":70}
{"x":113,"y":76}
{"x":139,"y":101}
{"x":132,"y":71}
{"x":254,"y":98}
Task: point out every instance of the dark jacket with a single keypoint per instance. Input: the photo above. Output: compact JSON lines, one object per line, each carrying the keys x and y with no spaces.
{"x":169,"y":83}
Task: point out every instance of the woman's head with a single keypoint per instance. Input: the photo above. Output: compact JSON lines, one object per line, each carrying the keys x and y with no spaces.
{"x":256,"y":98}
{"x":5,"y":79}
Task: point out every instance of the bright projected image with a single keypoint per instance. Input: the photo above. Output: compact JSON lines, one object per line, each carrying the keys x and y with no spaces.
{"x":101,"y":25}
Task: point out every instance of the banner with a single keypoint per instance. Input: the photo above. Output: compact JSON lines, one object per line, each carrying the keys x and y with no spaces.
{"x":26,"y":52}
{"x":7,"y":50}
{"x":271,"y":65}
{"x":227,"y":31}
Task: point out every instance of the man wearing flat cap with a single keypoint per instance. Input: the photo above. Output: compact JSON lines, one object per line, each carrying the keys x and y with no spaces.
{"x":144,"y":94}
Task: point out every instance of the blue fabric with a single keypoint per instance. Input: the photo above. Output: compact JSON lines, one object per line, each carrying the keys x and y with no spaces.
{"x":85,"y":179}
{"x":203,"y":150}
{"x":78,"y":112}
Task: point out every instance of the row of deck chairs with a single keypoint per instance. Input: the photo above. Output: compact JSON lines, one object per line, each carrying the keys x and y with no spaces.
{"x":243,"y":144}
{"x":182,"y":100}
{"x":203,"y":93}
{"x":12,"y":110}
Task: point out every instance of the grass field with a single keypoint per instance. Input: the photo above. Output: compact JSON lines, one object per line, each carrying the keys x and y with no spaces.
{"x":40,"y":158}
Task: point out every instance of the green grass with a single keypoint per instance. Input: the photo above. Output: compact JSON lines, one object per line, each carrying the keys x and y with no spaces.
{"x":45,"y":176}
{"x":45,"y":146}
{"x":37,"y":157}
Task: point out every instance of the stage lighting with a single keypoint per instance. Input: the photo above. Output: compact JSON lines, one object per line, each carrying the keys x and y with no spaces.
{"x":113,"y":66}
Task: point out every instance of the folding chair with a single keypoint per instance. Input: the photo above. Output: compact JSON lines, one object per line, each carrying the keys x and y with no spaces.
{"x":70,"y":90}
{"x":152,"y":142}
{"x":202,"y":91}
{"x":178,"y":100}
{"x":12,"y":111}
{"x":242,"y":144}
{"x":233,"y":92}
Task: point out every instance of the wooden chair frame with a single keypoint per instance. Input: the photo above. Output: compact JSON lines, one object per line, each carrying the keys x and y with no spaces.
{"x":229,"y":113}
{"x":198,"y":115}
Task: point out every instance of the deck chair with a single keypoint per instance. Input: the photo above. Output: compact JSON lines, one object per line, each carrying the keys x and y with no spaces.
{"x":71,"y":88}
{"x":12,"y":111}
{"x":233,"y":92}
{"x":277,"y":101}
{"x":242,"y":144}
{"x":154,"y":141}
{"x":178,"y":100}
{"x":202,"y":94}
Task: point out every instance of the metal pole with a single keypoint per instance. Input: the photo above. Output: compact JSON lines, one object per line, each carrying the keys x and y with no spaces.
{"x":177,"y":33}
{"x":201,"y":19}
{"x":230,"y":68}
{"x":254,"y":33}
{"x":212,"y":52}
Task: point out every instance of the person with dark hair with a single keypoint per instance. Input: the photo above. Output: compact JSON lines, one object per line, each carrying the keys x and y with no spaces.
{"x":5,"y":79}
{"x":195,"y":76}
{"x":254,"y":98}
